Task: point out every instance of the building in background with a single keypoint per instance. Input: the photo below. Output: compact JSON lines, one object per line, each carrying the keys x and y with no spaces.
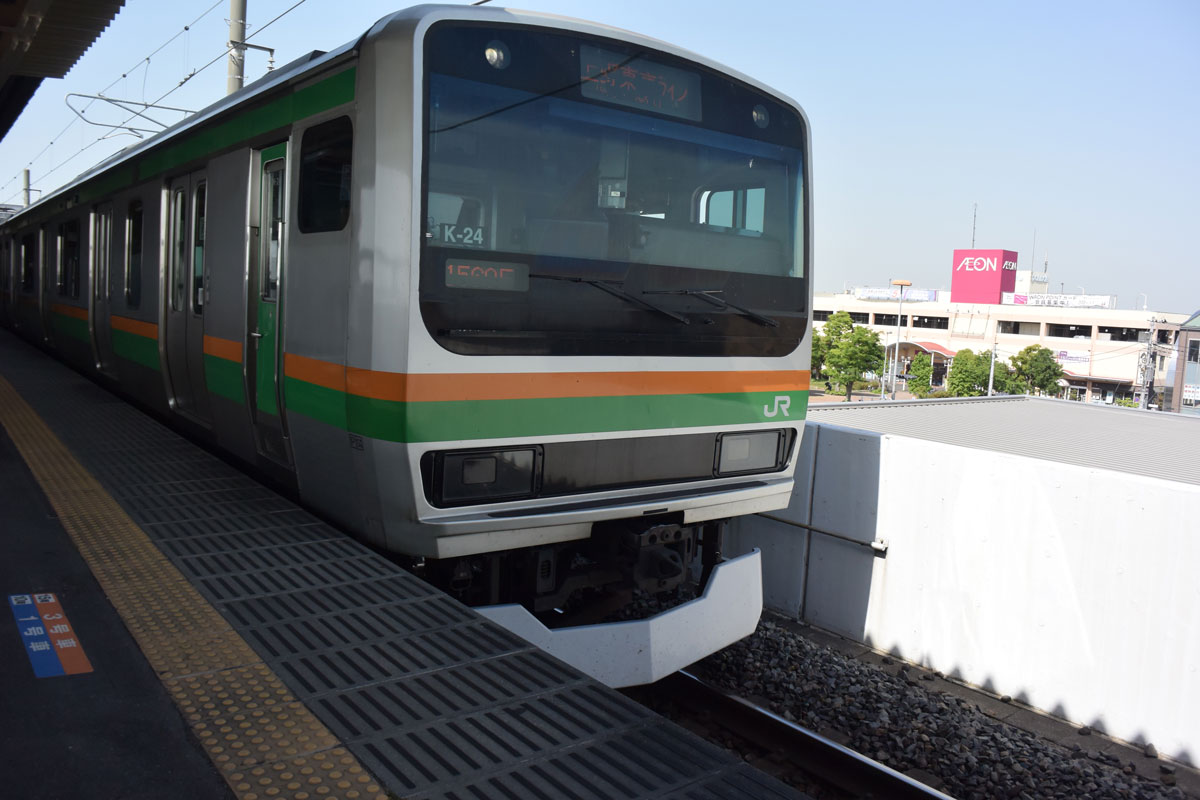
{"x":1183,"y":376}
{"x":1107,"y":353}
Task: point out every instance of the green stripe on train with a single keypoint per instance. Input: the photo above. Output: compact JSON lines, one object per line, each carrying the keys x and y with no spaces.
{"x":72,"y":327}
{"x":497,"y":419}
{"x":137,"y":349}
{"x":224,"y":378}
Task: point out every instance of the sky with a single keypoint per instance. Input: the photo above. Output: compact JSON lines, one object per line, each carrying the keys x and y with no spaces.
{"x":1068,"y":131}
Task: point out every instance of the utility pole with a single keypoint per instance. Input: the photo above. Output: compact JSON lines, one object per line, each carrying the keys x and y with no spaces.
{"x":1148,"y":367}
{"x":992,"y":371}
{"x":974,"y":213}
{"x":25,"y":187}
{"x":901,"y":285}
{"x":237,"y":49}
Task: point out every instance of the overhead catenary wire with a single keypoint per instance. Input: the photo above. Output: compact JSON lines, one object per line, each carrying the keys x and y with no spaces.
{"x":162,"y":97}
{"x":144,"y":60}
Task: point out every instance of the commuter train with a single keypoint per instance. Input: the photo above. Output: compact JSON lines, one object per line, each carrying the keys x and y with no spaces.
{"x":521,"y":299}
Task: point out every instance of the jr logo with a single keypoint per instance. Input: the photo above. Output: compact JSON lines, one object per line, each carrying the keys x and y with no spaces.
{"x":782,"y":403}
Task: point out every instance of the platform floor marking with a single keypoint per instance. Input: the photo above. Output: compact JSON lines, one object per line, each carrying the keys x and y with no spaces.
{"x":264,"y":741}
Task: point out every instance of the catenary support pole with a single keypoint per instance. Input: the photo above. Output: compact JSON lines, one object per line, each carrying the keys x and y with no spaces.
{"x":237,"y":53}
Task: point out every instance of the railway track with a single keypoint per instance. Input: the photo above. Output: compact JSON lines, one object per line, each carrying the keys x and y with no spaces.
{"x":805,"y":759}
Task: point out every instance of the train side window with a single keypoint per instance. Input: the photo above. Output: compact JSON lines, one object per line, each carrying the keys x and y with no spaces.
{"x":198,"y":217}
{"x":739,"y":209}
{"x":273,"y":219}
{"x":325,"y":156}
{"x":68,"y":259}
{"x":28,"y":262}
{"x":133,"y":255}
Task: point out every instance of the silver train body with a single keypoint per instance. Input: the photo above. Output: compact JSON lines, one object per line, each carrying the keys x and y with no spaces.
{"x":522,"y":299}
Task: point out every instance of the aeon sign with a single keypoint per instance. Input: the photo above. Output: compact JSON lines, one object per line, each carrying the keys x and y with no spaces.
{"x":982,"y":276}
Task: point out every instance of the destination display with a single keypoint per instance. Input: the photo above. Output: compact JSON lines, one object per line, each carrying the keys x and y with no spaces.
{"x":496,"y":275}
{"x":638,"y":83}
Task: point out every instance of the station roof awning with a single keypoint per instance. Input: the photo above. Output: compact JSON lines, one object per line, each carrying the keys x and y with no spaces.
{"x":934,"y":347}
{"x":43,"y":39}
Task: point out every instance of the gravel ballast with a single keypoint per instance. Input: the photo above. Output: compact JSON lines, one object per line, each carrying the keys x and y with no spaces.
{"x":912,"y":726}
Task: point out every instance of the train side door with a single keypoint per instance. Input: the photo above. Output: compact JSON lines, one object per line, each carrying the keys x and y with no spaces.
{"x":186,"y":218}
{"x":101,"y":285}
{"x":268,"y":207}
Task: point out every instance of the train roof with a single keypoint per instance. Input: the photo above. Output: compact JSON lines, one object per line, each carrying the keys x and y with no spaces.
{"x":317,"y":60}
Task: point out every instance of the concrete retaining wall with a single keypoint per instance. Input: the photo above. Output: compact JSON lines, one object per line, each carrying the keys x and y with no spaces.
{"x":1071,"y":589}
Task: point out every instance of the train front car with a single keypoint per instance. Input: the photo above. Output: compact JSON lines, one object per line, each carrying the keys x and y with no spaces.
{"x":605,"y":350}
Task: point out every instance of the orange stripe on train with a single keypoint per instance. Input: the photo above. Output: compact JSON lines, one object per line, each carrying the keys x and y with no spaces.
{"x":135,"y":326}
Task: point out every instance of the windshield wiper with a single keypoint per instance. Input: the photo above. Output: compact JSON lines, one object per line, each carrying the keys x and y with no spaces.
{"x":707,"y":296}
{"x":616,"y":291}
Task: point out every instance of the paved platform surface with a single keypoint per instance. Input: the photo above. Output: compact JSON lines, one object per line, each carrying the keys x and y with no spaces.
{"x":302,"y":663}
{"x":92,"y":729}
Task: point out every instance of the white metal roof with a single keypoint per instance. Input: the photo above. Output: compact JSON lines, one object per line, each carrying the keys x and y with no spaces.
{"x":1149,"y":443}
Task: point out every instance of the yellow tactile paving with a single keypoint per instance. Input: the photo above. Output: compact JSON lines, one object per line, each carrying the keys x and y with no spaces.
{"x":265,"y":742}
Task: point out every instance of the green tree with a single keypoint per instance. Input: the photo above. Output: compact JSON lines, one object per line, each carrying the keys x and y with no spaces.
{"x":856,"y":352}
{"x":819,"y":348}
{"x":920,"y":372}
{"x":1036,"y":368}
{"x":970,"y":372}
{"x":837,"y":327}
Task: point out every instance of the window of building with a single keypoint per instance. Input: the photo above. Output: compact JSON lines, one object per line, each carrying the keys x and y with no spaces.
{"x":28,"y":262}
{"x":941,"y":323}
{"x":325,"y":155}
{"x":1019,"y":328}
{"x":133,"y":255}
{"x":859,"y":318}
{"x":890,"y":319}
{"x":821,"y":316}
{"x":1125,"y":334}
{"x":68,"y":259}
{"x":1193,"y":355}
{"x":1165,"y":336}
{"x":1069,"y":331}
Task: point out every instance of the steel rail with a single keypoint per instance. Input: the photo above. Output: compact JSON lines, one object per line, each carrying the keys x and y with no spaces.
{"x":833,"y":763}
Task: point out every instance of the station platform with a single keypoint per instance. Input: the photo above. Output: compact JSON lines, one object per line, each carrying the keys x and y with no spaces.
{"x":178,"y":630}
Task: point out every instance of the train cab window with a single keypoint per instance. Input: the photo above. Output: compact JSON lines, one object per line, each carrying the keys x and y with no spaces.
{"x":325,"y":155}
{"x":199,"y":217}
{"x":178,"y":251}
{"x":28,"y":262}
{"x":68,"y":259}
{"x":133,"y":255}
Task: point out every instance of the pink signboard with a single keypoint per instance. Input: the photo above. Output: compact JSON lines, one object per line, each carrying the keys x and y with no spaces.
{"x":982,"y":276}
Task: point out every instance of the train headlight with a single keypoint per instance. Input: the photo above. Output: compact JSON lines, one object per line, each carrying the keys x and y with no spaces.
{"x":496,"y":54}
{"x":478,"y":476}
{"x":749,"y":452}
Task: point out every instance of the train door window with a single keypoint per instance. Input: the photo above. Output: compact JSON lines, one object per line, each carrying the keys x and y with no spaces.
{"x":68,"y":259}
{"x":28,"y":262}
{"x":325,"y":156}
{"x":133,"y":255}
{"x":198,"y":224}
{"x":178,"y":249}
{"x":739,"y":209}
{"x":273,"y":213}
{"x":101,"y":240}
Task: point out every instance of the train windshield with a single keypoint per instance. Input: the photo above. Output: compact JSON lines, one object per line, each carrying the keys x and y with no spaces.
{"x":582,"y":197}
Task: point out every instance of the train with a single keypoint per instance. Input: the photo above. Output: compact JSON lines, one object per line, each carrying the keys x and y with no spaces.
{"x":522,"y":300}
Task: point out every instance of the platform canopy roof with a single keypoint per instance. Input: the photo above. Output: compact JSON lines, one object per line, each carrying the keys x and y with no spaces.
{"x":42,"y":39}
{"x":1153,"y":444}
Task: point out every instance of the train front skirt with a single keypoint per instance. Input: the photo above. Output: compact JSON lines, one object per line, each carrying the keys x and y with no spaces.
{"x":643,"y":651}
